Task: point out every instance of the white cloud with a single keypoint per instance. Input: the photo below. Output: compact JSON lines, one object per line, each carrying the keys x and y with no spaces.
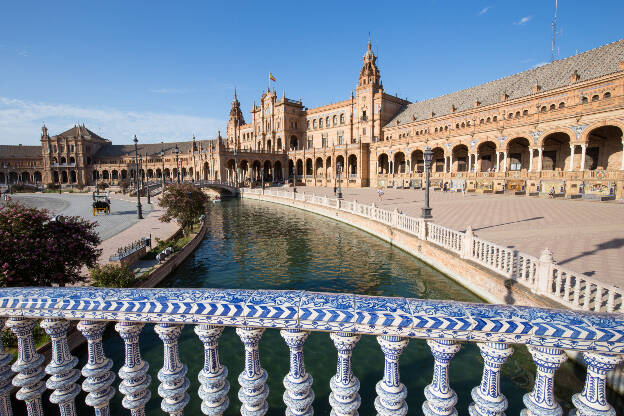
{"x":21,"y":121}
{"x":170,"y":90}
{"x":523,"y":21}
{"x":22,"y":53}
{"x":484,"y":10}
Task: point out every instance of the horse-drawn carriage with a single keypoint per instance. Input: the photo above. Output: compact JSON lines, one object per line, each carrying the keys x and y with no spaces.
{"x":101,"y":204}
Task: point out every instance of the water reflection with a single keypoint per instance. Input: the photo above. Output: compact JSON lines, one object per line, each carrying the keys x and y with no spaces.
{"x":257,"y":245}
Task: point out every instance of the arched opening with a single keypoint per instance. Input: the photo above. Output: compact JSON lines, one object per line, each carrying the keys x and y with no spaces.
{"x":309,"y":170}
{"x":340,"y":165}
{"x":124,"y":174}
{"x":38,"y":177}
{"x":64,"y":176}
{"x":206,"y":171}
{"x":417,"y":161}
{"x":556,"y":151}
{"x":63,"y":161}
{"x":352,"y":165}
{"x":299,"y":167}
{"x":294,"y":143}
{"x":268,"y":147}
{"x":460,"y":158}
{"x":72,"y":176}
{"x":244,"y":169}
{"x":399,"y":162}
{"x":25,"y":177}
{"x":150,"y":174}
{"x":256,"y":170}
{"x":328,"y":166}
{"x":604,"y":149}
{"x":158,"y":173}
{"x":382,"y":164}
{"x":115,"y":175}
{"x":279,"y":143}
{"x":268,"y":171}
{"x":438,"y":160}
{"x":72,"y":161}
{"x":167,"y":173}
{"x":105,"y":175}
{"x":278,"y":175}
{"x":95,"y":176}
{"x":486,"y":153}
{"x":54,"y":161}
{"x":318,"y":166}
{"x":518,"y":154}
{"x":184,"y":173}
{"x":291,"y":168}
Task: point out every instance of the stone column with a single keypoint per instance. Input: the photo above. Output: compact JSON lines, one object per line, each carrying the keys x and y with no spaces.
{"x":446,"y":164}
{"x":451,"y":163}
{"x":541,"y":400}
{"x":622,"y":165}
{"x":592,"y":401}
{"x":571,"y":167}
{"x":530,"y":159}
{"x":583,"y":152}
{"x":505,"y":161}
{"x":497,"y":161}
{"x":476,"y":162}
{"x":540,"y":152}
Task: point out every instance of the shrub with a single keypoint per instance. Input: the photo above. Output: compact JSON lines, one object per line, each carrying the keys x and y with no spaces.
{"x":53,"y":186}
{"x":183,"y":202}
{"x":112,"y":275}
{"x":102,"y":185}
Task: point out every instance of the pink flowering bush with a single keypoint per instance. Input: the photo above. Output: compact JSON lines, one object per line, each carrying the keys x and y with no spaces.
{"x":35,"y":251}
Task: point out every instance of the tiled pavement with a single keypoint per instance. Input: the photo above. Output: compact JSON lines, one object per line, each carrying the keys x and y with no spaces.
{"x":585,"y":236}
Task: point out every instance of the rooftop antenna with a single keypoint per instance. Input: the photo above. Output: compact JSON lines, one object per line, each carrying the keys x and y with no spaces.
{"x":554,"y":33}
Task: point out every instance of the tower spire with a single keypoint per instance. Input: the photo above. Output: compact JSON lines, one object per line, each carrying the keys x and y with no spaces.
{"x":235,"y":97}
{"x":369,"y":41}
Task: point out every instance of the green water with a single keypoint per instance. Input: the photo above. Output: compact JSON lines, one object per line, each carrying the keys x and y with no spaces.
{"x":256,"y":245}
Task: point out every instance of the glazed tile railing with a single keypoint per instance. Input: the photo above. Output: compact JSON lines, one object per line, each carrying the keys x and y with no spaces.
{"x":347,"y":317}
{"x":541,"y":275}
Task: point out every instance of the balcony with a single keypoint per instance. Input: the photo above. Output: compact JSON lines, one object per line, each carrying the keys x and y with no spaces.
{"x":347,"y":317}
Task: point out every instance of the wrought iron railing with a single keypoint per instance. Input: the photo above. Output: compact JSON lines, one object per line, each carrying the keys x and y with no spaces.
{"x":347,"y":317}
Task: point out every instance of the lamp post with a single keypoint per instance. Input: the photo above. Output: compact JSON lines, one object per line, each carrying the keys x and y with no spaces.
{"x":147,"y":182}
{"x":428,"y":155}
{"x":177,"y":153}
{"x":235,"y":170}
{"x":162,"y":172}
{"x":136,"y":177}
{"x":338,"y":172}
{"x":262,"y":174}
{"x":295,"y":178}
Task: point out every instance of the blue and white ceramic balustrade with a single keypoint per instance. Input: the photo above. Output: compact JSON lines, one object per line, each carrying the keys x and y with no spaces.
{"x":346,"y":317}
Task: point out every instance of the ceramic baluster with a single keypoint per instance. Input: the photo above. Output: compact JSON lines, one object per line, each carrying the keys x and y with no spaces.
{"x":172,"y":376}
{"x":135,"y":380}
{"x":593,"y":400}
{"x":5,"y":379}
{"x":298,"y":383}
{"x":488,"y":400}
{"x":344,"y":398}
{"x":391,"y":393}
{"x":541,"y":401}
{"x":213,"y":377}
{"x":253,"y":391}
{"x":441,"y":399}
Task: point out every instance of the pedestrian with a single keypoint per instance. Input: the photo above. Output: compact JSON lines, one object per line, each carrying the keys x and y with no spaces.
{"x":551,"y":193}
{"x":464,"y":189}
{"x":379,"y":194}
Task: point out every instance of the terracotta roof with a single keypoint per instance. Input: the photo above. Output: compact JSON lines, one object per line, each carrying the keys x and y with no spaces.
{"x":592,"y":64}
{"x":19,"y":151}
{"x":115,"y":150}
{"x":78,"y":130}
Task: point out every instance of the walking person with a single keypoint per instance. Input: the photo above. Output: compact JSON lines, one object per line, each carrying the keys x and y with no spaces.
{"x":379,"y":194}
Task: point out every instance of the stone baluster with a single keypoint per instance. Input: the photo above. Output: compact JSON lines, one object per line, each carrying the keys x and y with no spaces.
{"x":488,"y":400}
{"x":63,"y":375}
{"x":592,"y":401}
{"x":253,"y":391}
{"x":441,"y":399}
{"x":213,"y":377}
{"x":5,"y":379}
{"x":99,"y":378}
{"x":28,"y":366}
{"x":135,"y":380}
{"x":391,"y":393}
{"x":541,"y":400}
{"x":587,"y":296}
{"x":344,"y":398}
{"x":298,"y":396}
{"x":172,"y":376}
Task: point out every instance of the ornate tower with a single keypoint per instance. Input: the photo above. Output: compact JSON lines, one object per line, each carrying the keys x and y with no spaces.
{"x":369,"y":75}
{"x":236,"y":120}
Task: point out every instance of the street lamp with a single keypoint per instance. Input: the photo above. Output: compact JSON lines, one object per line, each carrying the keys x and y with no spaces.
{"x":136,"y":177}
{"x":147,"y":182}
{"x":235,"y":170}
{"x":295,"y":178}
{"x":162,"y":173}
{"x":177,"y":153}
{"x":262,"y":174}
{"x":428,"y":155}
{"x":339,"y":171}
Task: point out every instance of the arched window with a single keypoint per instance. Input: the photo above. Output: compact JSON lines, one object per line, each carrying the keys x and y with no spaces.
{"x":463,"y":125}
{"x":517,"y":114}
{"x":561,"y":104}
{"x":321,"y":123}
{"x":487,"y":120}
{"x":314,"y":123}
{"x":495,"y":118}
{"x":525,"y":113}
{"x":436,"y":130}
{"x":335,"y":120}
{"x":552,"y":106}
{"x":584,"y":100}
{"x":342,"y":118}
{"x":308,"y":123}
{"x":595,"y":97}
{"x":543,"y":109}
{"x":457,"y":125}
{"x":510,"y":115}
{"x":327,"y":121}
{"x":481,"y":121}
{"x":606,"y":95}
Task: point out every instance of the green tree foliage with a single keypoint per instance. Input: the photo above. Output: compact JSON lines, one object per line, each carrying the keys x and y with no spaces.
{"x":36,"y":250}
{"x":112,"y":275}
{"x":183,"y":202}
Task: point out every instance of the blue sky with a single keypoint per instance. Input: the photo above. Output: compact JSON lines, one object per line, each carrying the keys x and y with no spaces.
{"x":164,"y":69}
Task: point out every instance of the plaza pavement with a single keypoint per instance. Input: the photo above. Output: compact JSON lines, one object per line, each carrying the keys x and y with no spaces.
{"x":118,"y":229}
{"x":584,"y":236}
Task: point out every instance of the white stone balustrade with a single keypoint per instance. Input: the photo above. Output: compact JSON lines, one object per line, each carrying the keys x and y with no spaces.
{"x":543,"y":276}
{"x":598,"y":336}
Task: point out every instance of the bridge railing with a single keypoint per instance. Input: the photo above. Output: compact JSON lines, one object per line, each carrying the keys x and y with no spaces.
{"x":346,"y":317}
{"x":540,"y":275}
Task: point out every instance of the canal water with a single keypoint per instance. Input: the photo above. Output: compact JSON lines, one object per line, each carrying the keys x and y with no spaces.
{"x":259,"y":245}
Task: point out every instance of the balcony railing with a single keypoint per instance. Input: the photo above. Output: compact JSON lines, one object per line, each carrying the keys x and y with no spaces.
{"x":347,"y":317}
{"x":540,"y":275}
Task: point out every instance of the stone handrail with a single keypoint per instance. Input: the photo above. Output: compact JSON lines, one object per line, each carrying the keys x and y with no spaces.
{"x":394,"y":321}
{"x":542,"y":276}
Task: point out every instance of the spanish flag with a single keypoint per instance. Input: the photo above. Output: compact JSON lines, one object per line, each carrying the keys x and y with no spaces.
{"x":271,"y":77}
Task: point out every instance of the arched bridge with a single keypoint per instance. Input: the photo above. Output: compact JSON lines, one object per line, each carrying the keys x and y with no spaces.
{"x":222,"y":187}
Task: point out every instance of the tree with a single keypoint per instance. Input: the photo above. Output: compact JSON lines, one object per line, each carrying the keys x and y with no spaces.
{"x":37,"y":250}
{"x":183,"y":202}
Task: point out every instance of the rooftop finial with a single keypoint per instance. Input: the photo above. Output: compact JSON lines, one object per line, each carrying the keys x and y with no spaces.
{"x":369,"y":41}
{"x":235,"y":97}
